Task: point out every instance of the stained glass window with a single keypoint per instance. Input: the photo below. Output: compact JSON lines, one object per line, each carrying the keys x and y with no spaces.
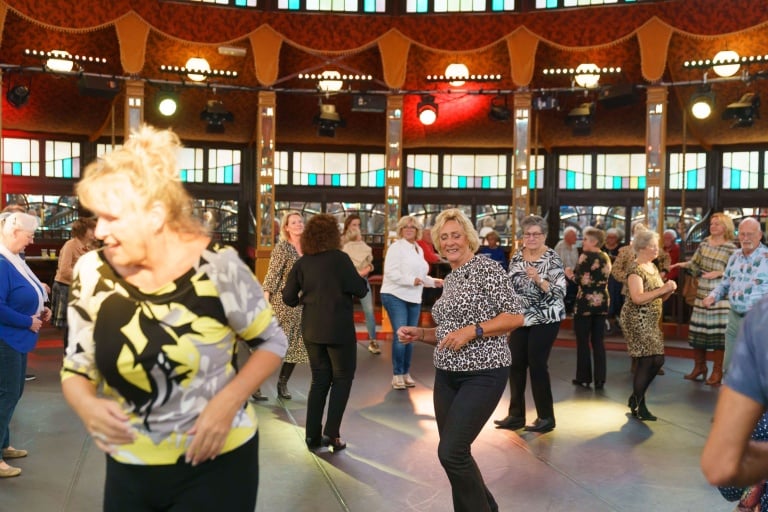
{"x":103,"y":149}
{"x":620,"y":171}
{"x":422,"y":6}
{"x":324,"y":169}
{"x":692,"y":172}
{"x":280,"y":171}
{"x":62,"y":159}
{"x":21,"y":157}
{"x":192,"y":166}
{"x":575,"y":172}
{"x":740,"y":170}
{"x":475,"y":171}
{"x":372,"y":173}
{"x":422,"y":170}
{"x":366,"y":6}
{"x":536,"y":172}
{"x":229,"y":3}
{"x":557,"y":4}
{"x":224,"y":166}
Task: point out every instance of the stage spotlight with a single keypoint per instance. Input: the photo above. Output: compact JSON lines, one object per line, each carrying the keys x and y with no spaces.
{"x":327,"y":120}
{"x":702,"y":102}
{"x":215,"y":115}
{"x":580,"y":118}
{"x":167,"y":103}
{"x":743,"y":111}
{"x":500,"y":109}
{"x":427,"y":110}
{"x":18,"y":95}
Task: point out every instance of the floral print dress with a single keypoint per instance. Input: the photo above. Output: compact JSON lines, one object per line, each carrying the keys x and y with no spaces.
{"x":591,"y":274}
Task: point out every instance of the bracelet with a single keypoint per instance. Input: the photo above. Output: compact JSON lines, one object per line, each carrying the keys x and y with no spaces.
{"x":422,"y":334}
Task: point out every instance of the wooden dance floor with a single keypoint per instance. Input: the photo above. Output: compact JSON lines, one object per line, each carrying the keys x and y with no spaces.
{"x":598,"y":459}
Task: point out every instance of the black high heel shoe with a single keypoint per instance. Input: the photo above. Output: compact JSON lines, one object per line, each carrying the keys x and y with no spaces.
{"x":580,"y":383}
{"x":632,"y":404}
{"x":510,"y":422}
{"x":334,"y":442}
{"x":314,"y":443}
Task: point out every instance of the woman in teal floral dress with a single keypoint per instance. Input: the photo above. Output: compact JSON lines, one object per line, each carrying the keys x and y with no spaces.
{"x":591,"y":309}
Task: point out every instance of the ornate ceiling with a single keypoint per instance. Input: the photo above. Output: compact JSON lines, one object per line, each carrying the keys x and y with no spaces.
{"x":649,"y":42}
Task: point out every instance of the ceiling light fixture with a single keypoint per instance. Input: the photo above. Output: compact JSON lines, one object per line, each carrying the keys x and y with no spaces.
{"x":580,"y":118}
{"x":61,"y":61}
{"x":167,"y":102}
{"x":333,"y":81}
{"x":198,"y":70}
{"x":327,"y":120}
{"x":726,"y":63}
{"x":18,"y":95}
{"x":215,"y":114}
{"x":584,"y":75}
{"x":426,"y":110}
{"x":702,"y":102}
{"x":457,"y":74}
{"x":743,"y":111}
{"x":500,"y":110}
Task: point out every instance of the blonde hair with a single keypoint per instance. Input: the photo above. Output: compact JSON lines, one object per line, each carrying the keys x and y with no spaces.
{"x":147,"y":163}
{"x":727,"y":222}
{"x":284,"y":223}
{"x":473,"y":240}
{"x":407,"y":220}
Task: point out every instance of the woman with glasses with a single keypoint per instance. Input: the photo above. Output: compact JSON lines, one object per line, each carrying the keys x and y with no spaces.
{"x":22,"y":313}
{"x":538,"y":278}
{"x":405,"y":276}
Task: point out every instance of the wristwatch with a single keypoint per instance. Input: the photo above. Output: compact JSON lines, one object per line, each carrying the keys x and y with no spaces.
{"x":478,"y":331}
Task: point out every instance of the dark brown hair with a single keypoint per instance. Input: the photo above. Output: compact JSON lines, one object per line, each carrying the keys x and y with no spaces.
{"x":320,"y":234}
{"x":81,"y":226}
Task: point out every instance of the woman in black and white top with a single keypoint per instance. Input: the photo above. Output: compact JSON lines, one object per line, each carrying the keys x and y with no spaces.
{"x":538,"y":276}
{"x":473,"y":315}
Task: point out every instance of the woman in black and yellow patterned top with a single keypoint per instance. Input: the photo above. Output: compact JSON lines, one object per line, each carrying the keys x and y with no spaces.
{"x":153,"y":318}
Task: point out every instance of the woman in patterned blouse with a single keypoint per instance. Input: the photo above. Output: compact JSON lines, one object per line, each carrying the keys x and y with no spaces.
{"x":591,"y":275}
{"x":154,"y":318}
{"x":473,"y":315}
{"x":538,"y":277}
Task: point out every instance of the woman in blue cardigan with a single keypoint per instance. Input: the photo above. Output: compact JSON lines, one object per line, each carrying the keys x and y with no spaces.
{"x":22,"y":313}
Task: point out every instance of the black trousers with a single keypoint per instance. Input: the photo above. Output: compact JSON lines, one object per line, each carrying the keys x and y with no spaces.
{"x":530,"y":347}
{"x":590,"y":330}
{"x":463,"y":403}
{"x":228,"y":482}
{"x":333,"y":369}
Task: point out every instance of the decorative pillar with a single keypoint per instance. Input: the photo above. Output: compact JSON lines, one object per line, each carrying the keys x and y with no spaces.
{"x":265,"y":182}
{"x":134,"y":106}
{"x":521,"y":161}
{"x":655,"y":157}
{"x":393,"y":186}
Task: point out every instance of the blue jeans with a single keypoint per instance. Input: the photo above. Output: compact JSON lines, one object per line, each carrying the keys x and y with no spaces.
{"x":463,"y":403}
{"x":13,"y":366}
{"x":370,"y":319}
{"x":400,"y":313}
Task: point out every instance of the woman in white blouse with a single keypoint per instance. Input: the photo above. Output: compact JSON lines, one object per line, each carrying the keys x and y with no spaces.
{"x":405,"y":276}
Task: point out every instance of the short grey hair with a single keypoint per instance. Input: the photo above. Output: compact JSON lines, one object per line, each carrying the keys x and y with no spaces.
{"x":534,"y":220}
{"x":643,"y":239}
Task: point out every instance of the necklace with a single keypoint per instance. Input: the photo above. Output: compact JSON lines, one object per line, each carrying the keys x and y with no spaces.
{"x":531,"y":255}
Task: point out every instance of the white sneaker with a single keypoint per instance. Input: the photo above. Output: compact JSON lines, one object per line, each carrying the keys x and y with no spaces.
{"x":398,"y":382}
{"x":373,"y":347}
{"x":408,"y":381}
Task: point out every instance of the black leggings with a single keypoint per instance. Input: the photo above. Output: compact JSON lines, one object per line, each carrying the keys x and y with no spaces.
{"x":647,"y":368}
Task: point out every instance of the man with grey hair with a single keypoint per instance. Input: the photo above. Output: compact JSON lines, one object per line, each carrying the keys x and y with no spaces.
{"x":569,"y":253}
{"x":744,"y":283}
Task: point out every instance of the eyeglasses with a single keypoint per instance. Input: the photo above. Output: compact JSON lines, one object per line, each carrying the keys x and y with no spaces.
{"x":532,"y":235}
